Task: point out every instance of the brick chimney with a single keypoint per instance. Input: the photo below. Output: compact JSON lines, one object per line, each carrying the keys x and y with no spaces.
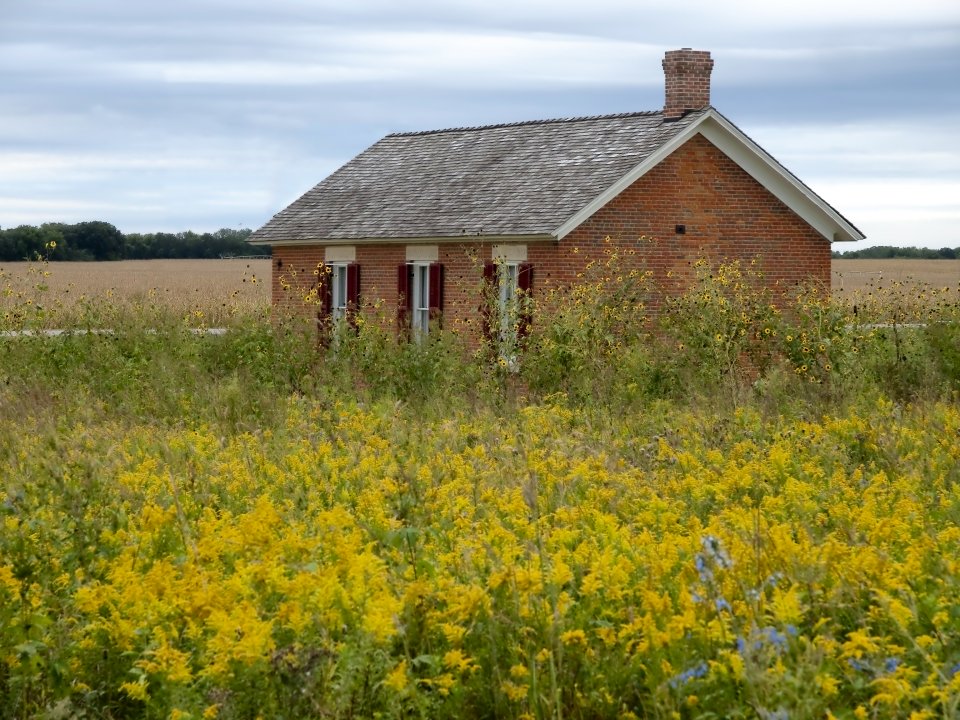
{"x":687,"y":74}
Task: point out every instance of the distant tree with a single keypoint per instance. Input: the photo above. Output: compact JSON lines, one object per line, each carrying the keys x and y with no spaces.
{"x":227,"y":241}
{"x":101,"y":239}
{"x":138,"y":246}
{"x":24,"y":242}
{"x":27,"y":242}
{"x":883,"y":252}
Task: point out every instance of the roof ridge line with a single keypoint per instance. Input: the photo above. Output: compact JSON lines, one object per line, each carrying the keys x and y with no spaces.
{"x":522,"y":123}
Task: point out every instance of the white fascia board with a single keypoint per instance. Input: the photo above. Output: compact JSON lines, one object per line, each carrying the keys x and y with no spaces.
{"x":783,"y":184}
{"x":755,"y":161}
{"x":444,"y":240}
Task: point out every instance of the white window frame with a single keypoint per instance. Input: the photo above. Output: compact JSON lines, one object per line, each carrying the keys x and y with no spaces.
{"x":338,"y":291}
{"x":508,"y":285}
{"x":420,"y":295}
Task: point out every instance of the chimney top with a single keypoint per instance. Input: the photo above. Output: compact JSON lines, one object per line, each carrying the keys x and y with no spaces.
{"x":687,"y":81}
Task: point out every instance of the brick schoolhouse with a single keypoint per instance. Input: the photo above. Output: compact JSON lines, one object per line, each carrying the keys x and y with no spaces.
{"x":421,"y":220}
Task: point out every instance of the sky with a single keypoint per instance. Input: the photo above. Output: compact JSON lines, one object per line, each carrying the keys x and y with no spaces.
{"x":203,"y":114}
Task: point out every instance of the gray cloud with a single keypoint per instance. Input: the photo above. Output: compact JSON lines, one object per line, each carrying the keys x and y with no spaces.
{"x":214,"y":113}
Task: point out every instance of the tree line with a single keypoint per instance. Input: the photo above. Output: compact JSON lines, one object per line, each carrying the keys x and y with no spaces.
{"x":98,"y":240}
{"x":887,"y":251}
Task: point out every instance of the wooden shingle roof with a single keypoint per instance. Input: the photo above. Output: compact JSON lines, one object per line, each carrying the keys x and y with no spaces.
{"x":514,"y":179}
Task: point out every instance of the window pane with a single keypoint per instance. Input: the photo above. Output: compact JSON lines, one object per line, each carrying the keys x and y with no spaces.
{"x":508,"y":284}
{"x":339,"y":291}
{"x":423,"y":301}
{"x":508,"y":308}
{"x":421,"y":297}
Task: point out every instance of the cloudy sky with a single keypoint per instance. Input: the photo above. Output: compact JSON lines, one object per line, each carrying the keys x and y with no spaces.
{"x":201,"y":114}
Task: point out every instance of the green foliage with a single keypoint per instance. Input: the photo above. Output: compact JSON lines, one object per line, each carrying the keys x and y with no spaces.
{"x":594,"y":333}
{"x":724,"y":327}
{"x":98,"y":240}
{"x":604,"y":341}
{"x":889,"y":251}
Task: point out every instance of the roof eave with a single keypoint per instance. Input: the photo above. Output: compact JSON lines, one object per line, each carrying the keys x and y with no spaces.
{"x":753,"y":159}
{"x":415,"y":240}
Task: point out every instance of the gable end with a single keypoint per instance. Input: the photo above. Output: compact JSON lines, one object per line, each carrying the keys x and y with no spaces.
{"x":750,"y":157}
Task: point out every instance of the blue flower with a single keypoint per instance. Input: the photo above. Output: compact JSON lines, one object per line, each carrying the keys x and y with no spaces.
{"x":715,"y":552}
{"x":767,"y":636}
{"x":722,"y":605}
{"x":703,"y":568}
{"x":776,"y":638}
{"x":697,"y":671}
{"x":858,"y":665}
{"x":891,"y":664}
{"x":779,"y":714}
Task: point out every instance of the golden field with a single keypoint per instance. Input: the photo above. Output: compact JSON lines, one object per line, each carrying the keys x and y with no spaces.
{"x":219,"y":289}
{"x":211,"y":285}
{"x":853,"y":275}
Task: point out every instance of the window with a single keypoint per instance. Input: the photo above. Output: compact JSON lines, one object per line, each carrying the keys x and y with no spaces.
{"x":420,"y":294}
{"x":339,"y":292}
{"x":420,"y":289}
{"x":507,"y":302}
{"x":508,"y":314}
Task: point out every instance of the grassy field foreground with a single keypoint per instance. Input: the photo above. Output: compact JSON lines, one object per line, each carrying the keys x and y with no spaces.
{"x":751,"y":512}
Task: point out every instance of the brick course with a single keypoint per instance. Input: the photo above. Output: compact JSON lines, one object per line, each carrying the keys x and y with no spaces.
{"x":686,"y":81}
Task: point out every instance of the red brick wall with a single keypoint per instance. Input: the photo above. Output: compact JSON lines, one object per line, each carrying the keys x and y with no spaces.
{"x":727,"y":216}
{"x":293,"y":275}
{"x":726,"y":213}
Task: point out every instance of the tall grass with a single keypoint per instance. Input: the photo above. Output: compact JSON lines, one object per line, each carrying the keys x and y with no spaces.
{"x":729,"y":504}
{"x":610,"y":341}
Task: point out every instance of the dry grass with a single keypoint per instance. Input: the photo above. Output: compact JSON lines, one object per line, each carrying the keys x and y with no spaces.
{"x":900,"y":290}
{"x":850,"y":276}
{"x":223,"y":289}
{"x":213,"y":291}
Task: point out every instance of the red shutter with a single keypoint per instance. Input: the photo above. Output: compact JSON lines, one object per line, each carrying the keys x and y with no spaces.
{"x":489,"y":299}
{"x":353,"y":292}
{"x":436,"y":291}
{"x":325,"y":304}
{"x":404,"y":301}
{"x":324,"y":292}
{"x":353,"y":286}
{"x":525,"y":286}
{"x":525,"y":278}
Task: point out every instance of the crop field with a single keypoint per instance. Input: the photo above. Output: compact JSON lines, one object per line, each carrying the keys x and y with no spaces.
{"x":751,"y":512}
{"x":215,"y":288}
{"x":851,"y":276}
{"x":211,"y":286}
